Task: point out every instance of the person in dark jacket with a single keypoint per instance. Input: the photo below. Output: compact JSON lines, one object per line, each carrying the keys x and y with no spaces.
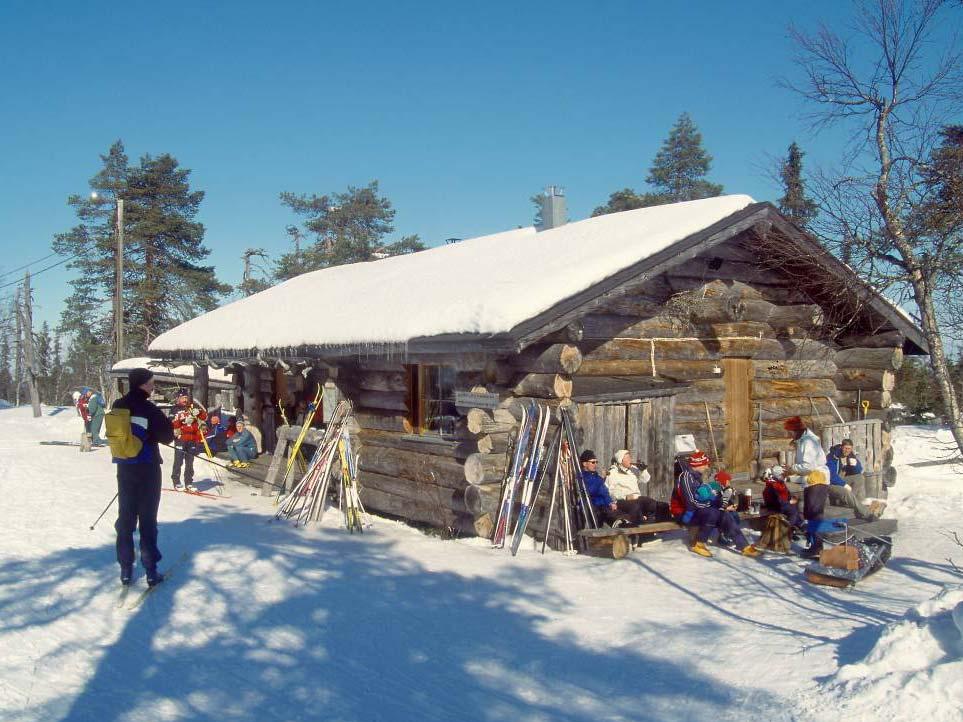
{"x":815,"y":496}
{"x":608,"y":509}
{"x":696,"y":503}
{"x":139,"y":479}
{"x":846,"y":472}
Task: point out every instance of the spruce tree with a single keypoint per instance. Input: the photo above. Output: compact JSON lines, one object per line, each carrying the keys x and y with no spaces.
{"x":347,"y":227}
{"x":164,"y":281}
{"x":677,"y":173}
{"x":794,"y":204}
{"x":679,"y":169}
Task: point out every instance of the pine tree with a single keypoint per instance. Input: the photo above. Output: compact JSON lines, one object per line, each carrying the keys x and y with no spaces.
{"x":164,"y":283}
{"x":6,"y":378}
{"x":347,"y":227}
{"x":677,"y":173}
{"x":794,"y":204}
{"x":43,"y":353}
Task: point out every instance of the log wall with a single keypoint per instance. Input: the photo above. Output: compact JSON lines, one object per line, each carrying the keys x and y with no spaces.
{"x":677,"y":327}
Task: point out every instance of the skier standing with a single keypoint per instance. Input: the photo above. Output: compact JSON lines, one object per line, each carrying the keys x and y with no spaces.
{"x":189,"y":428}
{"x":95,"y":408}
{"x":139,"y":479}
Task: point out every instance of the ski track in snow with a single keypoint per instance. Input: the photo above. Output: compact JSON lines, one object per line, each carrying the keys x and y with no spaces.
{"x":266,"y":622}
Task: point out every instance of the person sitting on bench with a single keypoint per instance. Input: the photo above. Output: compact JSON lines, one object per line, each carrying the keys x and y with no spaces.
{"x":623,"y":482}
{"x":242,"y":447}
{"x":776,"y":496}
{"x":726,"y":500}
{"x":846,"y":471}
{"x":695,"y":503}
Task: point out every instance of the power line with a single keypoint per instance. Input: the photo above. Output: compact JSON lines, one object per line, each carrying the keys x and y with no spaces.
{"x":47,"y":268}
{"x":27,"y":265}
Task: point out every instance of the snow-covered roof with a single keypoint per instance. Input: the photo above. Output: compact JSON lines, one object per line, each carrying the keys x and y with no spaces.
{"x":184,"y":371}
{"x":484,"y":285}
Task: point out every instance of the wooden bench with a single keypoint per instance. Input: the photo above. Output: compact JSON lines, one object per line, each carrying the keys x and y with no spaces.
{"x":615,"y":541}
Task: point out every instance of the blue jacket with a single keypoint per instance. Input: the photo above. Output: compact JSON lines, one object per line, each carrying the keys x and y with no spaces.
{"x":245,"y":440}
{"x":598,"y":491}
{"x":147,"y":423}
{"x":695,"y":493}
{"x":840,"y":466}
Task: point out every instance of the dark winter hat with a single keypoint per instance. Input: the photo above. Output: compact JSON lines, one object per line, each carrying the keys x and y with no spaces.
{"x":139,"y":377}
{"x":587,"y":455}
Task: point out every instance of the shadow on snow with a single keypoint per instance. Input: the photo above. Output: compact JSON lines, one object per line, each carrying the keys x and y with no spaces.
{"x":359,"y":632}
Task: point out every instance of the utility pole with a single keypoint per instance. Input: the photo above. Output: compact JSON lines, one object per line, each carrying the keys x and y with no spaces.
{"x":30,"y":358}
{"x":119,"y":300}
{"x":18,"y":355}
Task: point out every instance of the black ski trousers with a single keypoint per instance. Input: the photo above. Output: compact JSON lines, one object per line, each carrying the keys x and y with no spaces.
{"x":138,"y":497}
{"x":184,"y":453}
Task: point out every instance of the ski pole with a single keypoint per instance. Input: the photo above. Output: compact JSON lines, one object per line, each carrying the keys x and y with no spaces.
{"x":104,"y":511}
{"x":228,"y":468}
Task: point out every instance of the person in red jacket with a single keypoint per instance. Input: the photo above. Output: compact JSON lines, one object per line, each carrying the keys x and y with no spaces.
{"x":189,"y":427}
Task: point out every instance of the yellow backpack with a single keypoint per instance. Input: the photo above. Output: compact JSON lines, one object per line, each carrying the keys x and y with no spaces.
{"x":123,"y":443}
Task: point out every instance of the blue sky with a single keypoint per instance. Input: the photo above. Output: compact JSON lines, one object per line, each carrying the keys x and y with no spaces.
{"x":461,"y":111}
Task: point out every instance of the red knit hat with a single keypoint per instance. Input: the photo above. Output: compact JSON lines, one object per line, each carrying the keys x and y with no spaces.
{"x":723,"y":477}
{"x":794,"y":424}
{"x":698,"y":459}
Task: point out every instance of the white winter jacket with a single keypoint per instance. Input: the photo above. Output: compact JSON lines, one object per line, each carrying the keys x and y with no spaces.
{"x":622,"y":482}
{"x":809,"y":455}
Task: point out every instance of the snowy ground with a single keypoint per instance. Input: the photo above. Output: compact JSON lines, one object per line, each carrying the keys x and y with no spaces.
{"x":266,"y":622}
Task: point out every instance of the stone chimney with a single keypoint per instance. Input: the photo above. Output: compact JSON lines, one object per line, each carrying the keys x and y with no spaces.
{"x":554,"y":213}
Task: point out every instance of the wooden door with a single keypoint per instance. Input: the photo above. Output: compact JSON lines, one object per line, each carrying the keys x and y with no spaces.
{"x":737,"y":374}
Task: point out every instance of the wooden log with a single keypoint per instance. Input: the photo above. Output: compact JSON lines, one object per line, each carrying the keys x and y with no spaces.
{"x":732,"y":329}
{"x":771,"y":447}
{"x":514,"y":405}
{"x":555,"y":359}
{"x":607,"y":326}
{"x":789,"y":388}
{"x":548,"y":386}
{"x":877,"y":399}
{"x":783,"y":408}
{"x":812,"y":369}
{"x":483,"y":498}
{"x":475,"y":418}
{"x":485,"y":468}
{"x":382,"y":381}
{"x":499,"y":372}
{"x":639,"y":305}
{"x":389,"y":400}
{"x":422,"y":445}
{"x":805,"y":316}
{"x":201,"y":385}
{"x":493,"y":443}
{"x":426,"y":468}
{"x":381,"y":421}
{"x":572,"y":332}
{"x":484,"y":526}
{"x":870,"y":358}
{"x":695,"y":411}
{"x":415,"y":510}
{"x":381,"y":364}
{"x":710,"y":390}
{"x":849,"y":379}
{"x":440,"y":496}
{"x":497,"y":427}
{"x":884,"y":339}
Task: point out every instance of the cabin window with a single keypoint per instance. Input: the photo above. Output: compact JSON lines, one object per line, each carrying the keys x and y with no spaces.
{"x":431,"y":399}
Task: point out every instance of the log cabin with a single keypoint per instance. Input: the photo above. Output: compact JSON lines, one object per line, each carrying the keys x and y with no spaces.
{"x":717,"y":318}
